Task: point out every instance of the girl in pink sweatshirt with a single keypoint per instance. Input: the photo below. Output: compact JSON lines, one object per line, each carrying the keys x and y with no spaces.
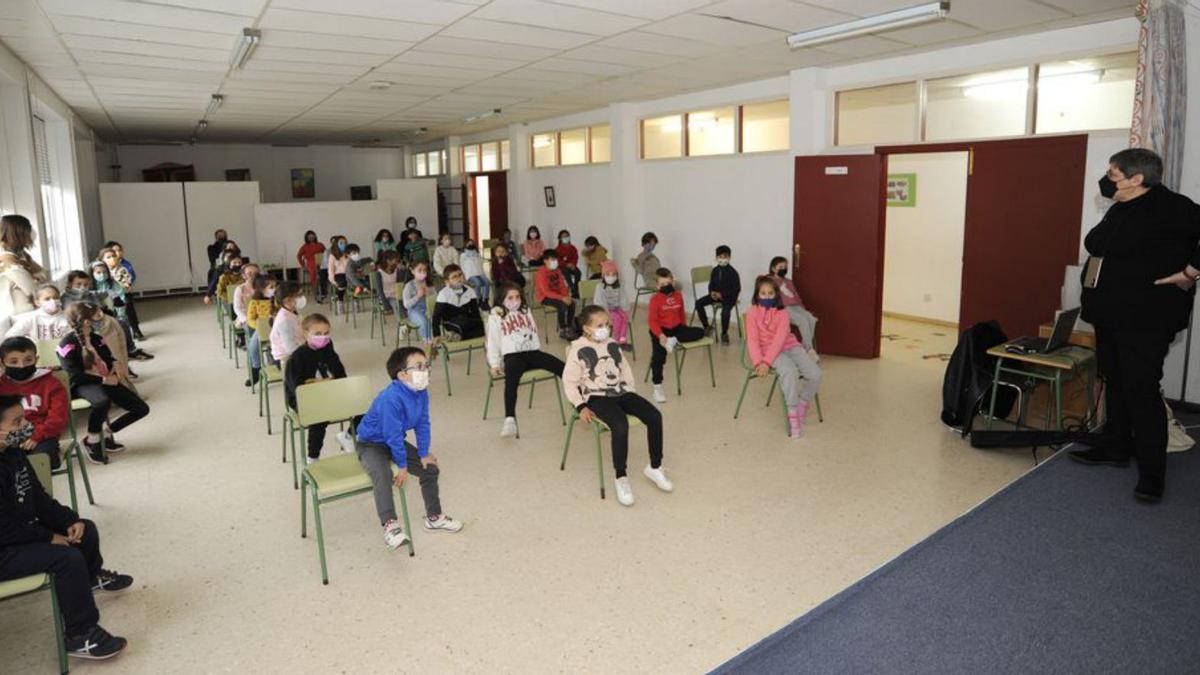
{"x":771,"y":344}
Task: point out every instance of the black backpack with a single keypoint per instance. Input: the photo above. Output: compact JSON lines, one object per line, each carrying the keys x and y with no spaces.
{"x":968,"y":382}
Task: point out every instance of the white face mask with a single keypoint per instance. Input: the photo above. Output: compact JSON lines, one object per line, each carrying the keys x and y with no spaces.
{"x":610,"y":280}
{"x":722,"y":261}
{"x":552,"y":264}
{"x":301,"y":302}
{"x":355,"y":257}
{"x":51,"y":306}
{"x":565,"y":240}
{"x":512,"y":305}
{"x":418,"y":380}
{"x":270,"y":292}
{"x":600,"y":334}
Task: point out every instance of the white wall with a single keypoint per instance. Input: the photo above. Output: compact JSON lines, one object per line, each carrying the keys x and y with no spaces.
{"x":922,"y":269}
{"x":336,"y":167}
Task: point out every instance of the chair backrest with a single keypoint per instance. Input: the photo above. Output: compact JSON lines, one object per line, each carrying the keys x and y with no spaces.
{"x":700,"y":275}
{"x":40,"y":462}
{"x":587,"y":291}
{"x":229,"y":291}
{"x":47,"y":351}
{"x":529,"y":282}
{"x":263,"y":327}
{"x":745,"y":357}
{"x":333,"y":400}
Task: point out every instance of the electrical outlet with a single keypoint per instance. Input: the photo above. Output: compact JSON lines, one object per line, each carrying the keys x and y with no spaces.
{"x":928,"y":298}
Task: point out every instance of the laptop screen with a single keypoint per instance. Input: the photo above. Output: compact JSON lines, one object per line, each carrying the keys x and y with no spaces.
{"x":1064,"y":323}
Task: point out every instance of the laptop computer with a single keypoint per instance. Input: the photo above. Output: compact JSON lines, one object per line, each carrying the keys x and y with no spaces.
{"x":1064,"y":323}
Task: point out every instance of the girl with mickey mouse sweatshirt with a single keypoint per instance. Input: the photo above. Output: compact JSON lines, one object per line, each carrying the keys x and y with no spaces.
{"x":598,"y":381}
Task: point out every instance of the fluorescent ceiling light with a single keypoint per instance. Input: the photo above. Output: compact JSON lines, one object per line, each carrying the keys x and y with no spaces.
{"x":213,"y":104}
{"x":900,"y":18}
{"x":246,"y":44}
{"x":481,"y":115}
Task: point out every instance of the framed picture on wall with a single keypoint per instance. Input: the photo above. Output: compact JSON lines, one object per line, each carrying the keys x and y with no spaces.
{"x":304,"y":184}
{"x":902,"y":189}
{"x":549,"y":190}
{"x":237,"y":174}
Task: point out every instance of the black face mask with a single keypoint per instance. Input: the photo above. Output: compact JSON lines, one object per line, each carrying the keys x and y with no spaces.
{"x":222,"y":238}
{"x":1108,"y":187}
{"x":667,"y":290}
{"x":20,"y":374}
{"x":781,"y":272}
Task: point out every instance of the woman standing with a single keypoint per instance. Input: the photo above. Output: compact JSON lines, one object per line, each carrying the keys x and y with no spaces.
{"x":19,"y":274}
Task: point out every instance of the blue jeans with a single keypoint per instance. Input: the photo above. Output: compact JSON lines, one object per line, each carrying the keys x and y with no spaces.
{"x":418,"y":318}
{"x":254,"y":350}
{"x":483,"y":288}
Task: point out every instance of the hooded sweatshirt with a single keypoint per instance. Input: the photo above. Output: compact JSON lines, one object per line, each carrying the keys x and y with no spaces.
{"x":768,"y":333}
{"x":306,"y":364}
{"x":510,"y":332}
{"x":442,"y":256}
{"x":595,"y":369}
{"x":666,"y":311}
{"x":45,"y":401}
{"x":27,"y":514}
{"x":460,"y":310}
{"x":550,"y":284}
{"x":39,"y":325}
{"x":395,"y":411}
{"x":471,"y":263}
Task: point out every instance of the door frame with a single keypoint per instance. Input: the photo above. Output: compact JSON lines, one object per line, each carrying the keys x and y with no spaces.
{"x":473,"y":200}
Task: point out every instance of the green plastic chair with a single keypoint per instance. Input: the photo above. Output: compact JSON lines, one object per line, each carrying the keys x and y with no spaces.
{"x":47,"y":354}
{"x":469,"y":346}
{"x":354,"y":301}
{"x":327,"y":401}
{"x":680,"y":354}
{"x":642,"y":289}
{"x":530,"y":378}
{"x":234,"y":329}
{"x":536,"y":307}
{"x":379,"y":314}
{"x":430,"y":303}
{"x":334,"y":479}
{"x":587,"y":292}
{"x":269,"y":373}
{"x":222,"y":316}
{"x":598,"y":428}
{"x":74,"y":449}
{"x":749,"y":368}
{"x":702,"y":275}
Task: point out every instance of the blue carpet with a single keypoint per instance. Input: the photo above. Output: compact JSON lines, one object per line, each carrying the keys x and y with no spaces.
{"x":1060,"y":572}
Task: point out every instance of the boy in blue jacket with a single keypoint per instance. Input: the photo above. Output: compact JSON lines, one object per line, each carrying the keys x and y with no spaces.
{"x":401,"y":407}
{"x":724,"y":287}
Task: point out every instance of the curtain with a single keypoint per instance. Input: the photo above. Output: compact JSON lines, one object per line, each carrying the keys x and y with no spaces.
{"x":1160,"y":90}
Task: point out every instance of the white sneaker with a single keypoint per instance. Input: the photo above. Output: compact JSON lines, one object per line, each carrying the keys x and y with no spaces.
{"x":345,"y":440}
{"x":660,"y":394}
{"x":659,"y":478}
{"x":510,"y":427}
{"x":624,"y":491}
{"x":311,"y":460}
{"x":394,"y":535}
{"x":671,"y":342}
{"x":442,"y":523}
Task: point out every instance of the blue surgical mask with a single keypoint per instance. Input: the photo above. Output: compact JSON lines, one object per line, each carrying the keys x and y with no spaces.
{"x":769,"y":303}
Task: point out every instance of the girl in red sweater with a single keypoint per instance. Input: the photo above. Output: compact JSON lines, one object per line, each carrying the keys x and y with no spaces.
{"x":771,"y":344}
{"x":42,"y":395}
{"x":568,"y":261}
{"x":307,"y":257}
{"x":668,"y":326}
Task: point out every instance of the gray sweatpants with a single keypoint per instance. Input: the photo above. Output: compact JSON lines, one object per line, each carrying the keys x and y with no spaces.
{"x":376,"y":459}
{"x":805,"y":321}
{"x":794,"y":365}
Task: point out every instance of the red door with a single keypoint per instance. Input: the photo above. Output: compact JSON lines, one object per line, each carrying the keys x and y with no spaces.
{"x":498,"y":202}
{"x":838,"y":234}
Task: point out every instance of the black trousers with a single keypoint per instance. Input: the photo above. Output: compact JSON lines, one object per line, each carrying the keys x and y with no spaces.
{"x":565,"y":311}
{"x":613,"y":411}
{"x":703,"y":304}
{"x":50,"y":448}
{"x":572,"y":275}
{"x":516,"y":364}
{"x":74,"y":568}
{"x":658,"y":356}
{"x":1131,"y":363}
{"x":316,"y":436}
{"x":340,"y":280}
{"x":131,"y":315}
{"x":102,"y":397}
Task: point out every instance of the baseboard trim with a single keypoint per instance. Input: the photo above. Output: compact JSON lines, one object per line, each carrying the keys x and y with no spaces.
{"x":921,"y":319}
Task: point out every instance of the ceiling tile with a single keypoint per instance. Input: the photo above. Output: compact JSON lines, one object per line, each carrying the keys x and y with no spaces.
{"x":148,"y":14}
{"x":250,"y":8}
{"x":561,"y":64}
{"x":866,"y":45}
{"x":656,"y":9}
{"x":73,"y":25}
{"x":658,"y":44}
{"x":275,"y":38}
{"x":418,"y":11}
{"x":781,"y":14}
{"x":714,"y":31}
{"x":107,"y":44}
{"x":932,"y":33}
{"x":559,"y":17}
{"x":449,"y":75}
{"x":602,"y":54}
{"x":480,"y":29}
{"x":486,"y":48}
{"x":306,"y":56}
{"x":997,"y":16}
{"x":866,"y":7}
{"x":343,"y":25}
{"x":86,"y":56}
{"x":1085,"y":7}
{"x":495,"y":64}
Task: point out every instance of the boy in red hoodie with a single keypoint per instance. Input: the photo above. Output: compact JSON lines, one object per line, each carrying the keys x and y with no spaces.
{"x":42,"y":395}
{"x":550,"y":288}
{"x":668,"y":326}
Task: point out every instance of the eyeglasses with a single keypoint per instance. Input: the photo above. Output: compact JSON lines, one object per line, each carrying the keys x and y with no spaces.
{"x":423,"y":367}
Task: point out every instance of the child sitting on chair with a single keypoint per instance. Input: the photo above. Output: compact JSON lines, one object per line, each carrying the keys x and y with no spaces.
{"x":801,"y":318}
{"x":358,"y":271}
{"x":47,"y":322}
{"x":608,"y":296}
{"x":598,"y":381}
{"x":668,"y":327}
{"x":313,"y":361}
{"x":724,"y":287}
{"x":551,"y":289}
{"x":472,"y":267}
{"x":44,"y":397}
{"x":457,"y":307}
{"x":41,"y":536}
{"x":770,"y":344}
{"x":401,"y":407}
{"x":513,"y":347}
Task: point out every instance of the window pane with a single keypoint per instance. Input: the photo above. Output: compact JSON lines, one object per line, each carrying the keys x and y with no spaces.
{"x":765,"y":127}
{"x":543,"y":149}
{"x":662,"y":137}
{"x":489,"y":159}
{"x":601,"y":144}
{"x":1086,"y":94}
{"x":980,"y":105}
{"x":419,"y":162}
{"x":445,"y":161}
{"x":435,"y":163}
{"x":574,"y":146}
{"x":504,"y":156}
{"x":470,"y":158}
{"x":877,"y":115}
{"x":711,"y":132}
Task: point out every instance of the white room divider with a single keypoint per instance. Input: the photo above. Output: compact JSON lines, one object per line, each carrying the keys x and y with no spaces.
{"x":280,"y":227}
{"x":219,"y":205}
{"x":406,"y":197}
{"x":149,"y":221}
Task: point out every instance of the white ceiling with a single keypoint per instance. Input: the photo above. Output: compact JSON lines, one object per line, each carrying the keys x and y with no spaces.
{"x":139,"y":70}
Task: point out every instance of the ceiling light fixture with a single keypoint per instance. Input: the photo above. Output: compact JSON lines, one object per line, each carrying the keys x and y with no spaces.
{"x":910,"y":16}
{"x":379,"y":85}
{"x":246,"y":44}
{"x":481,"y":115}
{"x":202,"y":125}
{"x":213,"y":104}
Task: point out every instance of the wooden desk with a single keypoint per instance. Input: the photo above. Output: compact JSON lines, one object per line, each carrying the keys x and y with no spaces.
{"x":1079,"y":338}
{"x":1053,"y":368}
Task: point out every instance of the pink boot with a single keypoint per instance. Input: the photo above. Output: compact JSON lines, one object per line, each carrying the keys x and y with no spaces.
{"x":796,"y":419}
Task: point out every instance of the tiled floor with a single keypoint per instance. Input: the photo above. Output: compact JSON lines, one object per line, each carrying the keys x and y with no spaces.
{"x":546,"y":577}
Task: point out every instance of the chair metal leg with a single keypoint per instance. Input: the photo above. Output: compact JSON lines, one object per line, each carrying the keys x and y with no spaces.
{"x":304,"y":509}
{"x":487,"y":401}
{"x":532,"y":384}
{"x":287,"y":431}
{"x":712,"y":373}
{"x":295,"y":464}
{"x":446,"y":368}
{"x":77,"y":450}
{"x":407,"y":527}
{"x":817,"y":400}
{"x":321,"y":535}
{"x":567,"y":444}
{"x":561,"y":414}
{"x":745,"y":384}
{"x":599,"y":458}
{"x":60,"y":637}
{"x":266,"y":394}
{"x":680,"y":357}
{"x":470,"y":353}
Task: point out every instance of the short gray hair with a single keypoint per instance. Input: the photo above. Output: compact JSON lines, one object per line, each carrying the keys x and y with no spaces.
{"x":1133,"y":161}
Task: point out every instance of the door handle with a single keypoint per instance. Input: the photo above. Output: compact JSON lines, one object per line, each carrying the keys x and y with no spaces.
{"x":795,"y":255}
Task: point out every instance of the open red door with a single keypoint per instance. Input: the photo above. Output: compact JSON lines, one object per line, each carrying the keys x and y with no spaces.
{"x":838,"y":235}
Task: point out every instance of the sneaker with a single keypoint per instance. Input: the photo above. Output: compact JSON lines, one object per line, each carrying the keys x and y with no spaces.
{"x":393,"y":535}
{"x":624,"y":492}
{"x":509,"y":428}
{"x":143,"y":355}
{"x":311,"y":460}
{"x":626,"y":346}
{"x":95,"y":452}
{"x":659,"y":478}
{"x":134,"y":376}
{"x":139,"y":335}
{"x":345,"y":440}
{"x":442,"y":523}
{"x":110,"y":581}
{"x":111,"y":444}
{"x":97,"y":644}
{"x":660,"y":394}
{"x":724,"y":339}
{"x":671,"y":342}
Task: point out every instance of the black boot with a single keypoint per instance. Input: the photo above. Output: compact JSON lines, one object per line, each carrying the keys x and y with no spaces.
{"x":1149,"y":489}
{"x":1099,"y":457}
{"x":253,"y":379}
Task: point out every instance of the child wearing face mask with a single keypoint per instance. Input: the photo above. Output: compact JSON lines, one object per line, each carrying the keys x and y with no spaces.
{"x":534,"y":248}
{"x":384,"y":242}
{"x":550,"y":288}
{"x":44,"y":397}
{"x":645,"y":262}
{"x":598,"y":381}
{"x":472,"y":267}
{"x":312,"y":361}
{"x":724,"y":287}
{"x":445,"y":254}
{"x":286,"y":334}
{"x":214,"y":278}
{"x":504,"y":267}
{"x":770,"y":344}
{"x":358,"y":271}
{"x":415,"y":292}
{"x":126,"y":268}
{"x":401,"y":407}
{"x":307,"y":257}
{"x":595,"y":255}
{"x":668,"y":326}
{"x":608,"y":296}
{"x":513,"y":347}
{"x":115,"y":334}
{"x":47,"y":322}
{"x":387,"y":277}
{"x":415,"y":250}
{"x":802,"y":319}
{"x":103,"y":283}
{"x":457,"y":307}
{"x":568,"y":261}
{"x":242,"y":293}
{"x":337,"y":262}
{"x":261,"y":305}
